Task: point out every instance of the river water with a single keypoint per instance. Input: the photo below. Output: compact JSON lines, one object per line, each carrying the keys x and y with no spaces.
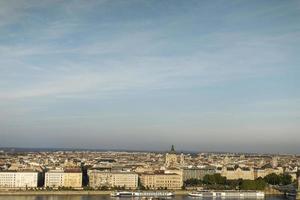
{"x":107,"y":197}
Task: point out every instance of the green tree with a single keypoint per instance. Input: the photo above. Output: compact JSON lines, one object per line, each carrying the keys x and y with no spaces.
{"x":272,"y":179}
{"x":285,"y":179}
{"x":258,"y":184}
{"x":214,"y":179}
{"x":192,"y":182}
{"x":282,"y":179}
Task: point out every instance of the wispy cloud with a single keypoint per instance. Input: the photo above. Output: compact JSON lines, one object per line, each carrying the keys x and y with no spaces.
{"x":108,"y":76}
{"x":54,"y":54}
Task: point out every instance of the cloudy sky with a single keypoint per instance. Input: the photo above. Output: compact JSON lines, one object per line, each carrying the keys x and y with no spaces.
{"x":139,"y":74}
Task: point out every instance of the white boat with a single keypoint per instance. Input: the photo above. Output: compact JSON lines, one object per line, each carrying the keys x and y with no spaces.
{"x":232,"y":194}
{"x":142,"y":194}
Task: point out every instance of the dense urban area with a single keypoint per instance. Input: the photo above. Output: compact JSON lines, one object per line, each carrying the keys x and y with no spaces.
{"x":111,"y":170}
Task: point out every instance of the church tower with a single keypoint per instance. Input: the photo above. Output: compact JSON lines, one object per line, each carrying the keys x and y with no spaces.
{"x":182,"y":159}
{"x":171,"y":158}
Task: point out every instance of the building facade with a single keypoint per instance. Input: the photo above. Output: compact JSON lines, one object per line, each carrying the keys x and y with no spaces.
{"x":171,"y":160}
{"x":262,"y":172}
{"x":196,"y":173}
{"x":234,"y":173}
{"x":129,"y":180}
{"x":161,"y":181}
{"x":98,"y":178}
{"x":60,"y":178}
{"x":19,"y":179}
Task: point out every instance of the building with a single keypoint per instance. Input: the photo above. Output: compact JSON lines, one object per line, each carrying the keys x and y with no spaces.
{"x":274,"y":162}
{"x":160,"y":180}
{"x":63,"y":178}
{"x":129,"y":180}
{"x":266,"y":170}
{"x":19,"y":179}
{"x":98,"y":178}
{"x":182,"y":163}
{"x":73,"y":178}
{"x":54,"y":178}
{"x":196,"y":173}
{"x":236,"y":172}
{"x":171,"y":159}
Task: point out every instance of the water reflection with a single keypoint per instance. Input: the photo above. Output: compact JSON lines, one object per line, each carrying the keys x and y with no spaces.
{"x":107,"y":197}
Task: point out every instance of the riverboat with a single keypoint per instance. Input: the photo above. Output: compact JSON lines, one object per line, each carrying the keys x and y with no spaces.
{"x":224,"y":194}
{"x":142,"y":194}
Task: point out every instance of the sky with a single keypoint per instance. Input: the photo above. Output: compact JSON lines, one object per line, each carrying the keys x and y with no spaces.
{"x":145,"y":74}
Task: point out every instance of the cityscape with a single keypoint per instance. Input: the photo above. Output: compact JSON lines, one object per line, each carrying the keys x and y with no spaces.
{"x":171,"y":170}
{"x":149,"y":99}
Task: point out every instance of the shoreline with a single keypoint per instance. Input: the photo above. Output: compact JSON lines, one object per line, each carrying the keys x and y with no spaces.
{"x":85,"y":193}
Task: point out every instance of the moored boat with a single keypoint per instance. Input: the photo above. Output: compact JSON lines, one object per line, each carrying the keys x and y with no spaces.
{"x":223,"y":194}
{"x":142,"y":194}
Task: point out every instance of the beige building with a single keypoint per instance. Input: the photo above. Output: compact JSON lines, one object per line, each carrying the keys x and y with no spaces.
{"x":129,"y":180}
{"x":233,"y":173}
{"x":171,"y":159}
{"x":161,"y":180}
{"x":59,"y":178}
{"x":18,"y":179}
{"x":248,"y":173}
{"x":98,"y":178}
{"x":73,"y":178}
{"x":262,"y":172}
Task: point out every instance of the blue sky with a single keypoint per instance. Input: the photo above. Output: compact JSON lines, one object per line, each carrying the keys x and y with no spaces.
{"x":203,"y":75}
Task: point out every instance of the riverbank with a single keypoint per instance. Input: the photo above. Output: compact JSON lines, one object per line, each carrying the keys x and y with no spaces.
{"x":71,"y":192}
{"x":82,"y":192}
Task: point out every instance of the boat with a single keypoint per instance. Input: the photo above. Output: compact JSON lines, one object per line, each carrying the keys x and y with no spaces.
{"x":291,"y":194}
{"x":229,"y":193}
{"x":142,"y":194}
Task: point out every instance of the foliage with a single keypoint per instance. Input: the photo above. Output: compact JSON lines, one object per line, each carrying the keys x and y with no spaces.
{"x":258,"y":184}
{"x":281,"y":179}
{"x":193,"y":182}
{"x":216,"y":181}
{"x":88,"y":188}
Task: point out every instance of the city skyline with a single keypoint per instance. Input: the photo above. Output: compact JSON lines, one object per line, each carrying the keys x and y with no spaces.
{"x":210,"y":76}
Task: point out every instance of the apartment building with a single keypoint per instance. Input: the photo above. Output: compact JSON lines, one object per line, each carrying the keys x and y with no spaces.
{"x":63,"y":178}
{"x":129,"y":180}
{"x":19,"y":179}
{"x":98,"y":178}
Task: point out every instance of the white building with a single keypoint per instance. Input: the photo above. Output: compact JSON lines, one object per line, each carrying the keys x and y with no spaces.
{"x":54,"y":178}
{"x":18,"y":179}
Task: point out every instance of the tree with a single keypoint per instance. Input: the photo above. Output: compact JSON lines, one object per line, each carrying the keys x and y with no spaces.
{"x":192,"y":182}
{"x":282,"y":179}
{"x":258,"y":184}
{"x":285,"y":179}
{"x":272,"y":179}
{"x":214,"y":179}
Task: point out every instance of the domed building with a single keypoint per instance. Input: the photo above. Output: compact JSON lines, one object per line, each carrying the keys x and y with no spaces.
{"x":171,"y":159}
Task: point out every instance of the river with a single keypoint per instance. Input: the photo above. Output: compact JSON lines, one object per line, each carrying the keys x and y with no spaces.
{"x":107,"y":197}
